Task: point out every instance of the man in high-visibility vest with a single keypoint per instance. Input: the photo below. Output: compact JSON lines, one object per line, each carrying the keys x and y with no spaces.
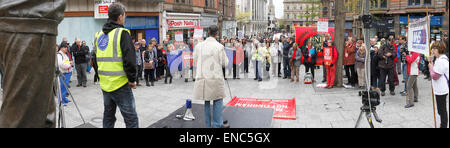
{"x":116,"y":60}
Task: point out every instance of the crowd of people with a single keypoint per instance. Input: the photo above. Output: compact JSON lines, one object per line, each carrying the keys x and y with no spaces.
{"x":281,"y":56}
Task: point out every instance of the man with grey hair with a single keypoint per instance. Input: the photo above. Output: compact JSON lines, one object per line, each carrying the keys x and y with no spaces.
{"x":80,"y":52}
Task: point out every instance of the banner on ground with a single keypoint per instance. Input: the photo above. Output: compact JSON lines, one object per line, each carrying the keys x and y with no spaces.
{"x":283,"y":108}
{"x":322,"y":25}
{"x":303,"y":33}
{"x":418,"y":36}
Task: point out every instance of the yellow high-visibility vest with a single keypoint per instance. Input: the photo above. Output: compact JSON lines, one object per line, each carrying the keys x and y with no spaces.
{"x":109,"y":60}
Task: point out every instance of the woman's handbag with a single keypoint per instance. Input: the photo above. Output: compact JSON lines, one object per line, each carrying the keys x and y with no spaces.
{"x":149,"y":65}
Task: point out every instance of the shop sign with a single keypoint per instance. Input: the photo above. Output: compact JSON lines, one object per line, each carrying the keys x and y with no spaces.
{"x":101,"y":8}
{"x":182,"y":23}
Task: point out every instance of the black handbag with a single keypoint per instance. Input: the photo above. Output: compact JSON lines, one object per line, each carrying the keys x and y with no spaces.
{"x":267,"y":64}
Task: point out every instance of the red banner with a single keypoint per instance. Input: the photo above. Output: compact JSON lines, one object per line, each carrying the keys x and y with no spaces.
{"x":283,"y":108}
{"x":303,"y":33}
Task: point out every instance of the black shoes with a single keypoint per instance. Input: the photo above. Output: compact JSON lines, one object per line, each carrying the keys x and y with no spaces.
{"x":408,"y":105}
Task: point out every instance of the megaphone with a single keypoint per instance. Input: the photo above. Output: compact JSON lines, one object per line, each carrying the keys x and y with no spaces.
{"x":188,"y":115}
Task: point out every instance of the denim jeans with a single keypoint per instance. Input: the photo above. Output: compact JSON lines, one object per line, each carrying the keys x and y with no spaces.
{"x":64,"y":79}
{"x":217,"y":114}
{"x":124,"y":99}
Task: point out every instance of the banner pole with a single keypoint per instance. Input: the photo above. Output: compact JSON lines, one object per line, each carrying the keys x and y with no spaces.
{"x":429,"y":50}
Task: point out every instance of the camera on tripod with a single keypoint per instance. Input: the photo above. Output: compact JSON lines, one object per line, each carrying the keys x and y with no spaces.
{"x":374,"y":98}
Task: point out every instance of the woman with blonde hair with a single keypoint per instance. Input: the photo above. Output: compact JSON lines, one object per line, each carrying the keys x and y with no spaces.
{"x":295,"y":56}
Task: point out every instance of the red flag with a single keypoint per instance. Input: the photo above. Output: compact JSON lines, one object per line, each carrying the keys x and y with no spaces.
{"x":303,"y":33}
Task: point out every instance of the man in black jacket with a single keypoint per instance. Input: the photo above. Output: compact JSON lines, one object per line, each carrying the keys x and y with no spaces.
{"x":121,"y":97}
{"x":80,"y":52}
{"x":286,"y":68}
{"x":386,"y":55}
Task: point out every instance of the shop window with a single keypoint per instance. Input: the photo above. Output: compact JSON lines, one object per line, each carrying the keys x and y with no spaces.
{"x":427,"y":2}
{"x":413,"y":2}
{"x":383,"y":3}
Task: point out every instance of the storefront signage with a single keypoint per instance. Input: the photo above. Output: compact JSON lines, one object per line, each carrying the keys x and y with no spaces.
{"x":101,"y":8}
{"x":182,"y":23}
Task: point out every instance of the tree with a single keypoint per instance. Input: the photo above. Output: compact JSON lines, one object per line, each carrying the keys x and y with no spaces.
{"x":339,"y":41}
{"x":312,"y":12}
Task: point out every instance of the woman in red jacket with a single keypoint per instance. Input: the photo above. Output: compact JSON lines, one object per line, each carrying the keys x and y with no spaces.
{"x":332,"y":66}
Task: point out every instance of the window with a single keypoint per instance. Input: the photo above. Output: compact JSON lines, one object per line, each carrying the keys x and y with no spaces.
{"x":427,"y":2}
{"x":183,"y":1}
{"x":210,"y":4}
{"x":373,"y":4}
{"x":383,"y":3}
{"x":413,"y":2}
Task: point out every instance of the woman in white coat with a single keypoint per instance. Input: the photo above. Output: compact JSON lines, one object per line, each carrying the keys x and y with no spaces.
{"x":210,"y":57}
{"x":275,"y":50}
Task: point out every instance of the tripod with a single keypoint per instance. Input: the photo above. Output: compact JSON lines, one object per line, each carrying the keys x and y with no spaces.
{"x":61,"y":120}
{"x":368,"y":110}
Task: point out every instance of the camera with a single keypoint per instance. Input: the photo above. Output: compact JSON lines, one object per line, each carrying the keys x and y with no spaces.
{"x":374,"y":98}
{"x":403,"y":50}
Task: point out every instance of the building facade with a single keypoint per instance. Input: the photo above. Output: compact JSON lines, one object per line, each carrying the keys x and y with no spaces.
{"x":257,"y":21}
{"x":80,"y":21}
{"x":301,"y":13}
{"x":391,"y":16}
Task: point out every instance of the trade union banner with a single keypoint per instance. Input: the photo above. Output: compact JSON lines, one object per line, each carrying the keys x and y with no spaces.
{"x":419,"y":36}
{"x":304,"y":33}
{"x":283,"y":108}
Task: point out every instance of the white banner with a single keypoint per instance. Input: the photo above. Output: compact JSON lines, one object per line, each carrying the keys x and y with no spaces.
{"x":322,"y":25}
{"x":419,"y":36}
{"x":101,"y":8}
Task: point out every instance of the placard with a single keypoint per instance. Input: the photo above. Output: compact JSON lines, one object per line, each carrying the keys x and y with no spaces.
{"x":418,"y":36}
{"x":198,"y":33}
{"x":322,"y":25}
{"x":179,"y":36}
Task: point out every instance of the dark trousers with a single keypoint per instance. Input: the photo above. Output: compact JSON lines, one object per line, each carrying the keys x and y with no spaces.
{"x":390,"y":74}
{"x":168,"y":74}
{"x":124,"y":99}
{"x":96,"y":78}
{"x":441,"y":101}
{"x":350,"y":72}
{"x":309,"y":66}
{"x":28,"y":65}
{"x":234,"y":71}
{"x":160,"y":71}
{"x":374,"y":81}
{"x":139,"y":69}
{"x":149,"y":75}
{"x":279,"y":69}
{"x":286,"y":67}
{"x":81,"y":73}
{"x":246,"y":65}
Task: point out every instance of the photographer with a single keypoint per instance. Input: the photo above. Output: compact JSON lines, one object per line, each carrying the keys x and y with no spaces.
{"x":403,"y":50}
{"x":412,"y":60}
{"x":386,"y":64}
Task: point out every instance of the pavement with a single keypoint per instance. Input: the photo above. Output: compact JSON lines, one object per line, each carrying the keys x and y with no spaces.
{"x":316,"y":107}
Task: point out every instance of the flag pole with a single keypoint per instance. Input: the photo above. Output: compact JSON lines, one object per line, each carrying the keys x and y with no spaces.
{"x":429,"y":50}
